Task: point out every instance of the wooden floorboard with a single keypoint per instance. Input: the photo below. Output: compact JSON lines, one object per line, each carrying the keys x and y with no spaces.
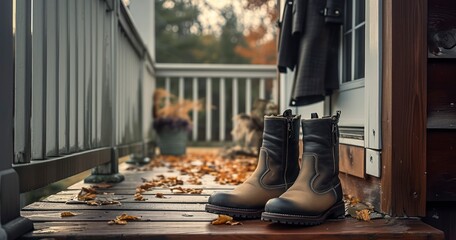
{"x":146,"y":206}
{"x":105,"y":216}
{"x":253,"y":229}
{"x":182,"y":216}
{"x":168,"y":198}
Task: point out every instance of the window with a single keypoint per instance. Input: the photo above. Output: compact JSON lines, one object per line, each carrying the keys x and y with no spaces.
{"x":353,"y":59}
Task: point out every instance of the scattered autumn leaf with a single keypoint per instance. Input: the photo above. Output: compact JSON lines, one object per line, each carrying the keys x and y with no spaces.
{"x":352,"y":200}
{"x":232,"y":170}
{"x":160,"y":195}
{"x":87,"y":194}
{"x":123,"y":219}
{"x":67,"y":214}
{"x":139,"y":197}
{"x":224,"y":219}
{"x":363,"y":215}
{"x":181,"y":190}
{"x":118,"y":222}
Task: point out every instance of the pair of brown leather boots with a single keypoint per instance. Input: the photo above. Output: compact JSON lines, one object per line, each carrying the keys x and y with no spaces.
{"x":279,"y":190}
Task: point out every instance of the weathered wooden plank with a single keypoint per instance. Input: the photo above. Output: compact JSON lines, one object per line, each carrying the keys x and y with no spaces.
{"x":130,"y":191}
{"x":169,"y":198}
{"x":351,"y":160}
{"x":41,"y":206}
{"x":104,"y":216}
{"x":134,"y":184}
{"x":337,"y":229}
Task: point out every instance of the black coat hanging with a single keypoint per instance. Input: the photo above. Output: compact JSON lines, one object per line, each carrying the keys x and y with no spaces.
{"x":309,"y":43}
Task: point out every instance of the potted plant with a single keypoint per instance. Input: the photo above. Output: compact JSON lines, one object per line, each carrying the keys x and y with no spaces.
{"x":172,"y":121}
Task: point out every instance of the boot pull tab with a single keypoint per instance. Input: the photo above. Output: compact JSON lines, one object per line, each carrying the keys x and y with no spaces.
{"x":314,"y":115}
{"x":287,"y":113}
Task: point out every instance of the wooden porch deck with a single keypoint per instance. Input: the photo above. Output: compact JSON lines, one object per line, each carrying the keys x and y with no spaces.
{"x":182,"y":216}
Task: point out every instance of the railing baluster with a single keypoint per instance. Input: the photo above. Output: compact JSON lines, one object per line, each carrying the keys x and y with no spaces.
{"x":208,"y":109}
{"x":80,"y":72}
{"x":195,"y":110}
{"x":235,"y":98}
{"x":181,"y":88}
{"x":275,"y":90}
{"x":261,"y":89}
{"x":168,"y":90}
{"x":222,"y":110}
{"x":243,"y":81}
{"x":248,"y":95}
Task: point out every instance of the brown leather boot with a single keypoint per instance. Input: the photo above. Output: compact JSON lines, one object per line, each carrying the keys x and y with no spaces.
{"x":276,"y":171}
{"x":317,"y":193}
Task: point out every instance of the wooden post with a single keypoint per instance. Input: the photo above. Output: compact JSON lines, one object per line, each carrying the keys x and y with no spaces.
{"x":404,"y":107}
{"x":12,"y":224}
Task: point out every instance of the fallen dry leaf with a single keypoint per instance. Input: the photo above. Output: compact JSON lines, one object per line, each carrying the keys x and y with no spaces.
{"x":87,"y":194}
{"x":351,"y":200}
{"x":363,"y":215}
{"x":181,"y":190}
{"x":224,"y":219}
{"x":67,"y":214}
{"x":160,"y":195}
{"x":123,"y":219}
{"x":139,"y":197}
{"x":232,"y":170}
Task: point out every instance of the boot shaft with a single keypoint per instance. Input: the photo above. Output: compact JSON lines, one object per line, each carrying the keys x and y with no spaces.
{"x":321,"y":139}
{"x":281,"y":141}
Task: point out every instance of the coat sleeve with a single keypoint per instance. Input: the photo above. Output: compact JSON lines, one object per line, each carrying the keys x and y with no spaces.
{"x":287,"y":49}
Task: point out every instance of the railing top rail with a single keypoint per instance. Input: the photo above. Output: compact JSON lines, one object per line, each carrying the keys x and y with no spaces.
{"x":215,"y":70}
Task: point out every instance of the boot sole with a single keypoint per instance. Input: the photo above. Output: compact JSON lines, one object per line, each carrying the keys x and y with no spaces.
{"x":235,"y":212}
{"x":336,"y":211}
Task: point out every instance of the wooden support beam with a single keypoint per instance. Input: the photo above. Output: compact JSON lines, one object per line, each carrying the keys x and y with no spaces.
{"x":404,"y":107}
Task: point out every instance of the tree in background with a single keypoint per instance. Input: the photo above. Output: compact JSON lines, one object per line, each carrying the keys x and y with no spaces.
{"x":231,"y":38}
{"x":180,"y":37}
{"x":178,"y":31}
{"x":261,"y":43}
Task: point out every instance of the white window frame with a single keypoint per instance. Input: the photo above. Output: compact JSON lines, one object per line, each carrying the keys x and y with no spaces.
{"x":371,"y":82}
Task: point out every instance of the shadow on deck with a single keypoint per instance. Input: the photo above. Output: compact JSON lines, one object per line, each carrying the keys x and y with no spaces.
{"x":179,"y":216}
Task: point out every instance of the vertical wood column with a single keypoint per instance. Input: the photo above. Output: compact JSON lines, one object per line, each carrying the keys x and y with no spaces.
{"x":404,"y":107}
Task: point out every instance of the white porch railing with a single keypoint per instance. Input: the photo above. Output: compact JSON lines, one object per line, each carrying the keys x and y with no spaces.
{"x":227,"y":89}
